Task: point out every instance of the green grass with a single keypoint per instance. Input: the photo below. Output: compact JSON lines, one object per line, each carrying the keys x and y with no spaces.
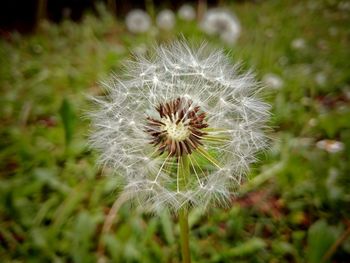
{"x":54,"y":198}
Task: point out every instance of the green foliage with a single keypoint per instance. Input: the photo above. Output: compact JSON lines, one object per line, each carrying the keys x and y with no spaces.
{"x":53,"y":202}
{"x":321,"y":237}
{"x":68,"y":119}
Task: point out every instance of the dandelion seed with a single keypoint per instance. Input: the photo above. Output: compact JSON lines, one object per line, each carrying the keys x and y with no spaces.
{"x":187,"y":12}
{"x":223,"y":23}
{"x":138,"y":21}
{"x":180,"y":104}
{"x":166,"y":19}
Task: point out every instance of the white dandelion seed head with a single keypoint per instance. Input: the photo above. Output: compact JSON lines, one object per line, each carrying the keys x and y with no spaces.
{"x":273,"y":81}
{"x":221,"y":22}
{"x":138,"y":21}
{"x":166,"y":19}
{"x":330,"y":146}
{"x":344,"y":6}
{"x":181,"y":102}
{"x":321,"y":78}
{"x":298,"y":43}
{"x":186,"y":12}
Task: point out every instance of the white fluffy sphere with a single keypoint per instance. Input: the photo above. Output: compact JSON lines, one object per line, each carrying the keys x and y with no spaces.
{"x":138,"y":21}
{"x":181,"y":102}
{"x":223,"y":23}
{"x":166,"y":19}
{"x":186,"y":12}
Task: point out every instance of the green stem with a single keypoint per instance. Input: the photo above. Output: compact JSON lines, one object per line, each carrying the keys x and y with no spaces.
{"x":150,"y":8}
{"x":184,"y":171}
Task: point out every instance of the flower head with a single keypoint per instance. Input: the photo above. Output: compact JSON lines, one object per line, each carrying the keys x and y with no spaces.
{"x":166,"y":19}
{"x":330,"y":146}
{"x":187,"y":12}
{"x":138,"y":21}
{"x":180,"y":104}
{"x":298,"y":44}
{"x":223,"y":23}
{"x":273,"y":81}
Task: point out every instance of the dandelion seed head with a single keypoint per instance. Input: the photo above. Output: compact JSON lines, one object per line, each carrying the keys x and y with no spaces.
{"x":273,"y":81}
{"x":138,"y":21}
{"x":200,"y":108}
{"x":166,"y":19}
{"x":223,"y":23}
{"x":330,"y":146}
{"x":298,"y":44}
{"x":187,"y":12}
{"x":321,"y":78}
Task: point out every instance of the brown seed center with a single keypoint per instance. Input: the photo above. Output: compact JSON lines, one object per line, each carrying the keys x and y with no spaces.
{"x":179,"y":127}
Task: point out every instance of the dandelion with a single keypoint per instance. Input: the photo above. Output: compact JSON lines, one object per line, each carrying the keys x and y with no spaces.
{"x":321,"y":78}
{"x":273,"y":81}
{"x":298,"y":44}
{"x":344,"y":6}
{"x":187,"y":12}
{"x":180,"y":104}
{"x":181,"y":127}
{"x":166,"y":19}
{"x":330,"y":146}
{"x":223,"y":23}
{"x":138,"y":21}
{"x":313,"y":122}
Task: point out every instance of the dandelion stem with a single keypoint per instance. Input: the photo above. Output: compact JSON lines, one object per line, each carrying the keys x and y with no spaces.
{"x":184,"y":171}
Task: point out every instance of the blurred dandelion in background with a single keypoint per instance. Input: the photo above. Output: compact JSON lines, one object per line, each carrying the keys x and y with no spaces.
{"x":321,"y":78}
{"x":166,"y":19}
{"x":221,"y":22}
{"x":330,"y":146}
{"x":298,"y":44}
{"x":186,"y":12}
{"x":273,"y":81}
{"x":138,"y":21}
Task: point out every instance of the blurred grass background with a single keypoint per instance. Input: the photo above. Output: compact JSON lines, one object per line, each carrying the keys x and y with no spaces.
{"x":294,"y":208}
